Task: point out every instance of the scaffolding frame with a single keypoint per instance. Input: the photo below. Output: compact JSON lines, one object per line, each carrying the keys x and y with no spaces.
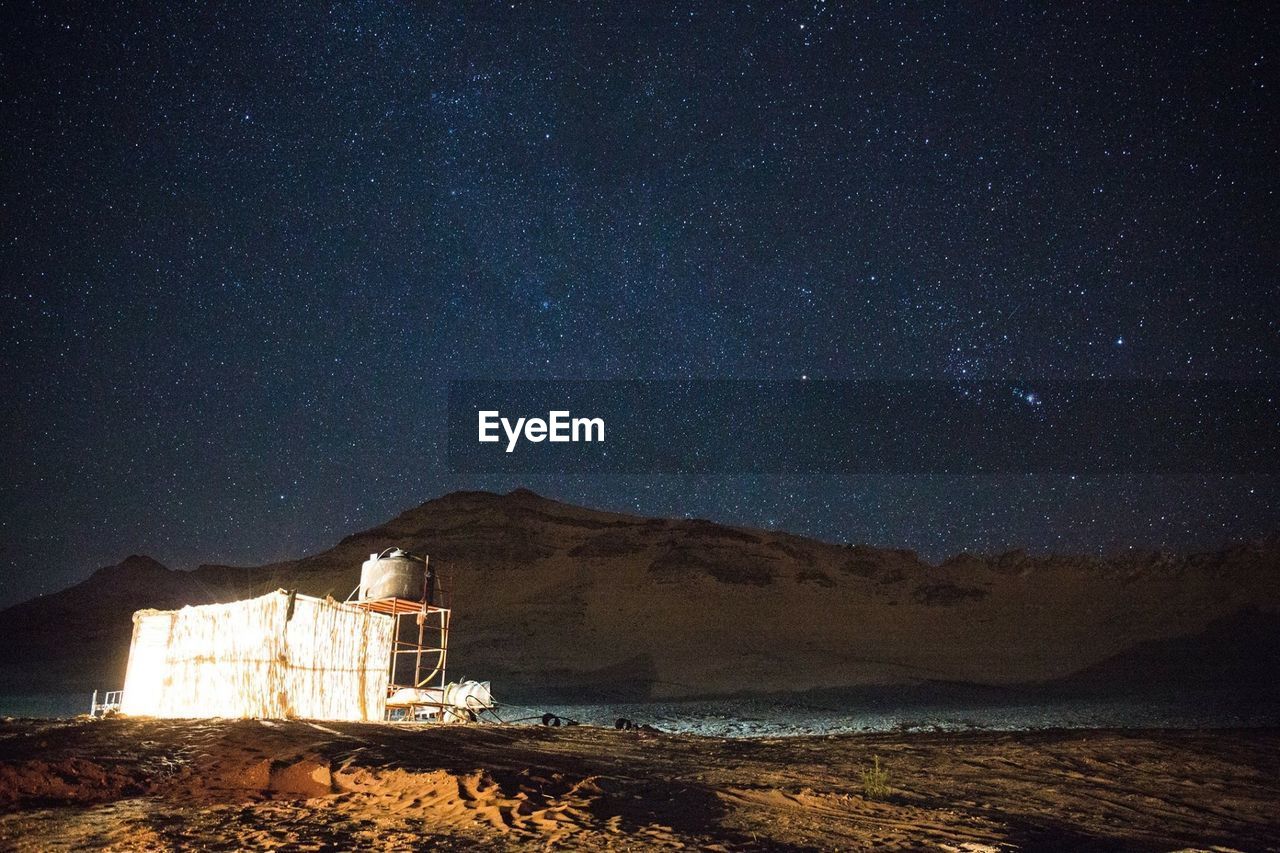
{"x":429,"y":655}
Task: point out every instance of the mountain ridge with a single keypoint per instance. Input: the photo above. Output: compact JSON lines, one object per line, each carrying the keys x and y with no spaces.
{"x":557,"y":598}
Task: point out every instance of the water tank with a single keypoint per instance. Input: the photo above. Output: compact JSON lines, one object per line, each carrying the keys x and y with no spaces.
{"x":393,"y":574}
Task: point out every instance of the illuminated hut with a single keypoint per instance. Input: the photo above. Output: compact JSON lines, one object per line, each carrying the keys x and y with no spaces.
{"x":289,"y":655}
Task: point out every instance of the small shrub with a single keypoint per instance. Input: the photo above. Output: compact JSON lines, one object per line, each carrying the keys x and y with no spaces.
{"x":875,"y":781}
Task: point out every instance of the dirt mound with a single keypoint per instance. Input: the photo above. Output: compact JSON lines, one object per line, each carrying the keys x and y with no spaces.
{"x":66,"y":780}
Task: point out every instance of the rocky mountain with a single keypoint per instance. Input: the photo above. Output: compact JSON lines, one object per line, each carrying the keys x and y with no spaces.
{"x":558,"y":600}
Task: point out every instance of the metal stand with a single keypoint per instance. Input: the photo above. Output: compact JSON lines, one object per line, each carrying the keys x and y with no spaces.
{"x":110,"y":703}
{"x":419,"y":653}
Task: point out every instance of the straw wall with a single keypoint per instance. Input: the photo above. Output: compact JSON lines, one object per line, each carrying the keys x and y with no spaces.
{"x":255,"y":658}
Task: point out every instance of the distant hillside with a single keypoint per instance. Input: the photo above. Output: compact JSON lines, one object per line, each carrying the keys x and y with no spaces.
{"x":1239,"y":652}
{"x":565,"y":601}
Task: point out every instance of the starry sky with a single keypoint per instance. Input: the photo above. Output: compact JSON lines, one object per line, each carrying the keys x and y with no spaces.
{"x":246,"y":246}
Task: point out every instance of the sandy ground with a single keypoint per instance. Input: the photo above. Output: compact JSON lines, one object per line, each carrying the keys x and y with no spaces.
{"x":139,"y":784}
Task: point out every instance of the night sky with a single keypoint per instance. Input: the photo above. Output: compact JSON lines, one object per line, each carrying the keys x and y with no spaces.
{"x":245,"y":247}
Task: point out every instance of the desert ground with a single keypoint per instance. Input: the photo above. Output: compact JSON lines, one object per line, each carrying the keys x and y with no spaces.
{"x":133,"y":784}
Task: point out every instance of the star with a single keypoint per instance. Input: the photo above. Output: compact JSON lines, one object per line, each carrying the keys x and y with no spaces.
{"x":197,"y":313}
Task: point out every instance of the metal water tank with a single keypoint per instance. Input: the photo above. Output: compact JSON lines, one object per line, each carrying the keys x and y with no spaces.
{"x":393,"y":574}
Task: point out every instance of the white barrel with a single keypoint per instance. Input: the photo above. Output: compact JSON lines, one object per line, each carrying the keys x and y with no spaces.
{"x":393,"y":574}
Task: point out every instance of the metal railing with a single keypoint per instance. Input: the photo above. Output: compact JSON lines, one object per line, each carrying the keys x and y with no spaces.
{"x":110,"y":703}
